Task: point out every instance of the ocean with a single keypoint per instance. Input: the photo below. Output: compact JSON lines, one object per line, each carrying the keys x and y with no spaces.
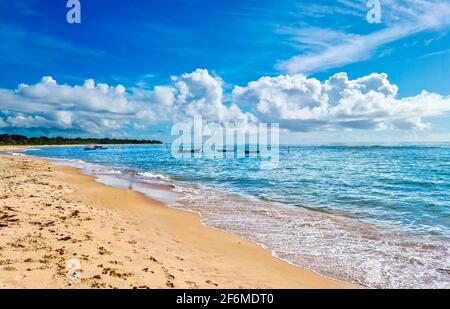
{"x":378,"y":216}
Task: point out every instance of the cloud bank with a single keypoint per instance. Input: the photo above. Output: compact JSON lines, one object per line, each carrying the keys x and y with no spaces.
{"x":297,"y":102}
{"x":304,"y":104}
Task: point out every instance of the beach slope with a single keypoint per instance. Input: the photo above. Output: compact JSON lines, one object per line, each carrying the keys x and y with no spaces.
{"x":53,"y":218}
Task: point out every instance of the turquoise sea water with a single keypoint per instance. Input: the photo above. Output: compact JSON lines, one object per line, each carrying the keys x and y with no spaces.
{"x":375,"y":215}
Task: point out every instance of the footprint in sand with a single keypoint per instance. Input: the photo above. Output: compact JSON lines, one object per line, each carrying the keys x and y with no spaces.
{"x":169,"y":276}
{"x":192,"y":284}
{"x":9,"y":268}
{"x":152,"y":259}
{"x":170,"y":284}
{"x":211,"y":283}
{"x":103,"y":251}
{"x":147,"y":270}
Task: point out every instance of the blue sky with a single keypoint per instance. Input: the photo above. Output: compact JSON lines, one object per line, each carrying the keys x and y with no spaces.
{"x":143,"y":44}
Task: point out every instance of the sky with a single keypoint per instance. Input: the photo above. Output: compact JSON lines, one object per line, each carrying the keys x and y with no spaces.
{"x":318,"y":68}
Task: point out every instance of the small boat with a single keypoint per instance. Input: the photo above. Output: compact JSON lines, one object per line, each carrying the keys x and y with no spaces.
{"x":190,"y":151}
{"x":226,"y":150}
{"x":95,"y":148}
{"x":249,"y":152}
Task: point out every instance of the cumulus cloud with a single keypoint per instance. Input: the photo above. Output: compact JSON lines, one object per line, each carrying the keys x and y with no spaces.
{"x":48,"y":105}
{"x":297,"y":102}
{"x":200,"y":93}
{"x":192,"y":94}
{"x":303,"y":104}
{"x":98,"y":108}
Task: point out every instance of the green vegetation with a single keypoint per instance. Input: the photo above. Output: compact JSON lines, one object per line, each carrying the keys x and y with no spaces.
{"x":8,"y":139}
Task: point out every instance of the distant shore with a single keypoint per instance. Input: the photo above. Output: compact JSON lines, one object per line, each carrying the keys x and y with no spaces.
{"x":21,"y":140}
{"x":121,"y":239}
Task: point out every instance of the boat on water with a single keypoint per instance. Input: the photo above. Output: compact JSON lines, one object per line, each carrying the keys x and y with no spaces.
{"x":248,"y":150}
{"x":189,"y":151}
{"x":95,"y":148}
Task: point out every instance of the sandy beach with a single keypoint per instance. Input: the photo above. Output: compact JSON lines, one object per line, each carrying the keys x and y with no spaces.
{"x":53,"y":216}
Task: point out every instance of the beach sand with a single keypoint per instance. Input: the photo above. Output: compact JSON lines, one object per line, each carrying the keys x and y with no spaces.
{"x":53,"y":218}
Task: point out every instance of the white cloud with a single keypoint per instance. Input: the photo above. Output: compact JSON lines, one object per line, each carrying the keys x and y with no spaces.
{"x":297,"y":102}
{"x":302,"y":104}
{"x":99,"y":108}
{"x":90,"y":97}
{"x":323,"y":49}
{"x":191,"y":94}
{"x":94,"y":108}
{"x":199,"y":93}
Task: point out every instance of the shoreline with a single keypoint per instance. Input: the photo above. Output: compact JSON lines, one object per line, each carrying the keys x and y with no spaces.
{"x":185,"y":248}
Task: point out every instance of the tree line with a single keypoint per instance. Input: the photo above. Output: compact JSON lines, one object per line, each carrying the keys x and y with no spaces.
{"x":11,"y":139}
